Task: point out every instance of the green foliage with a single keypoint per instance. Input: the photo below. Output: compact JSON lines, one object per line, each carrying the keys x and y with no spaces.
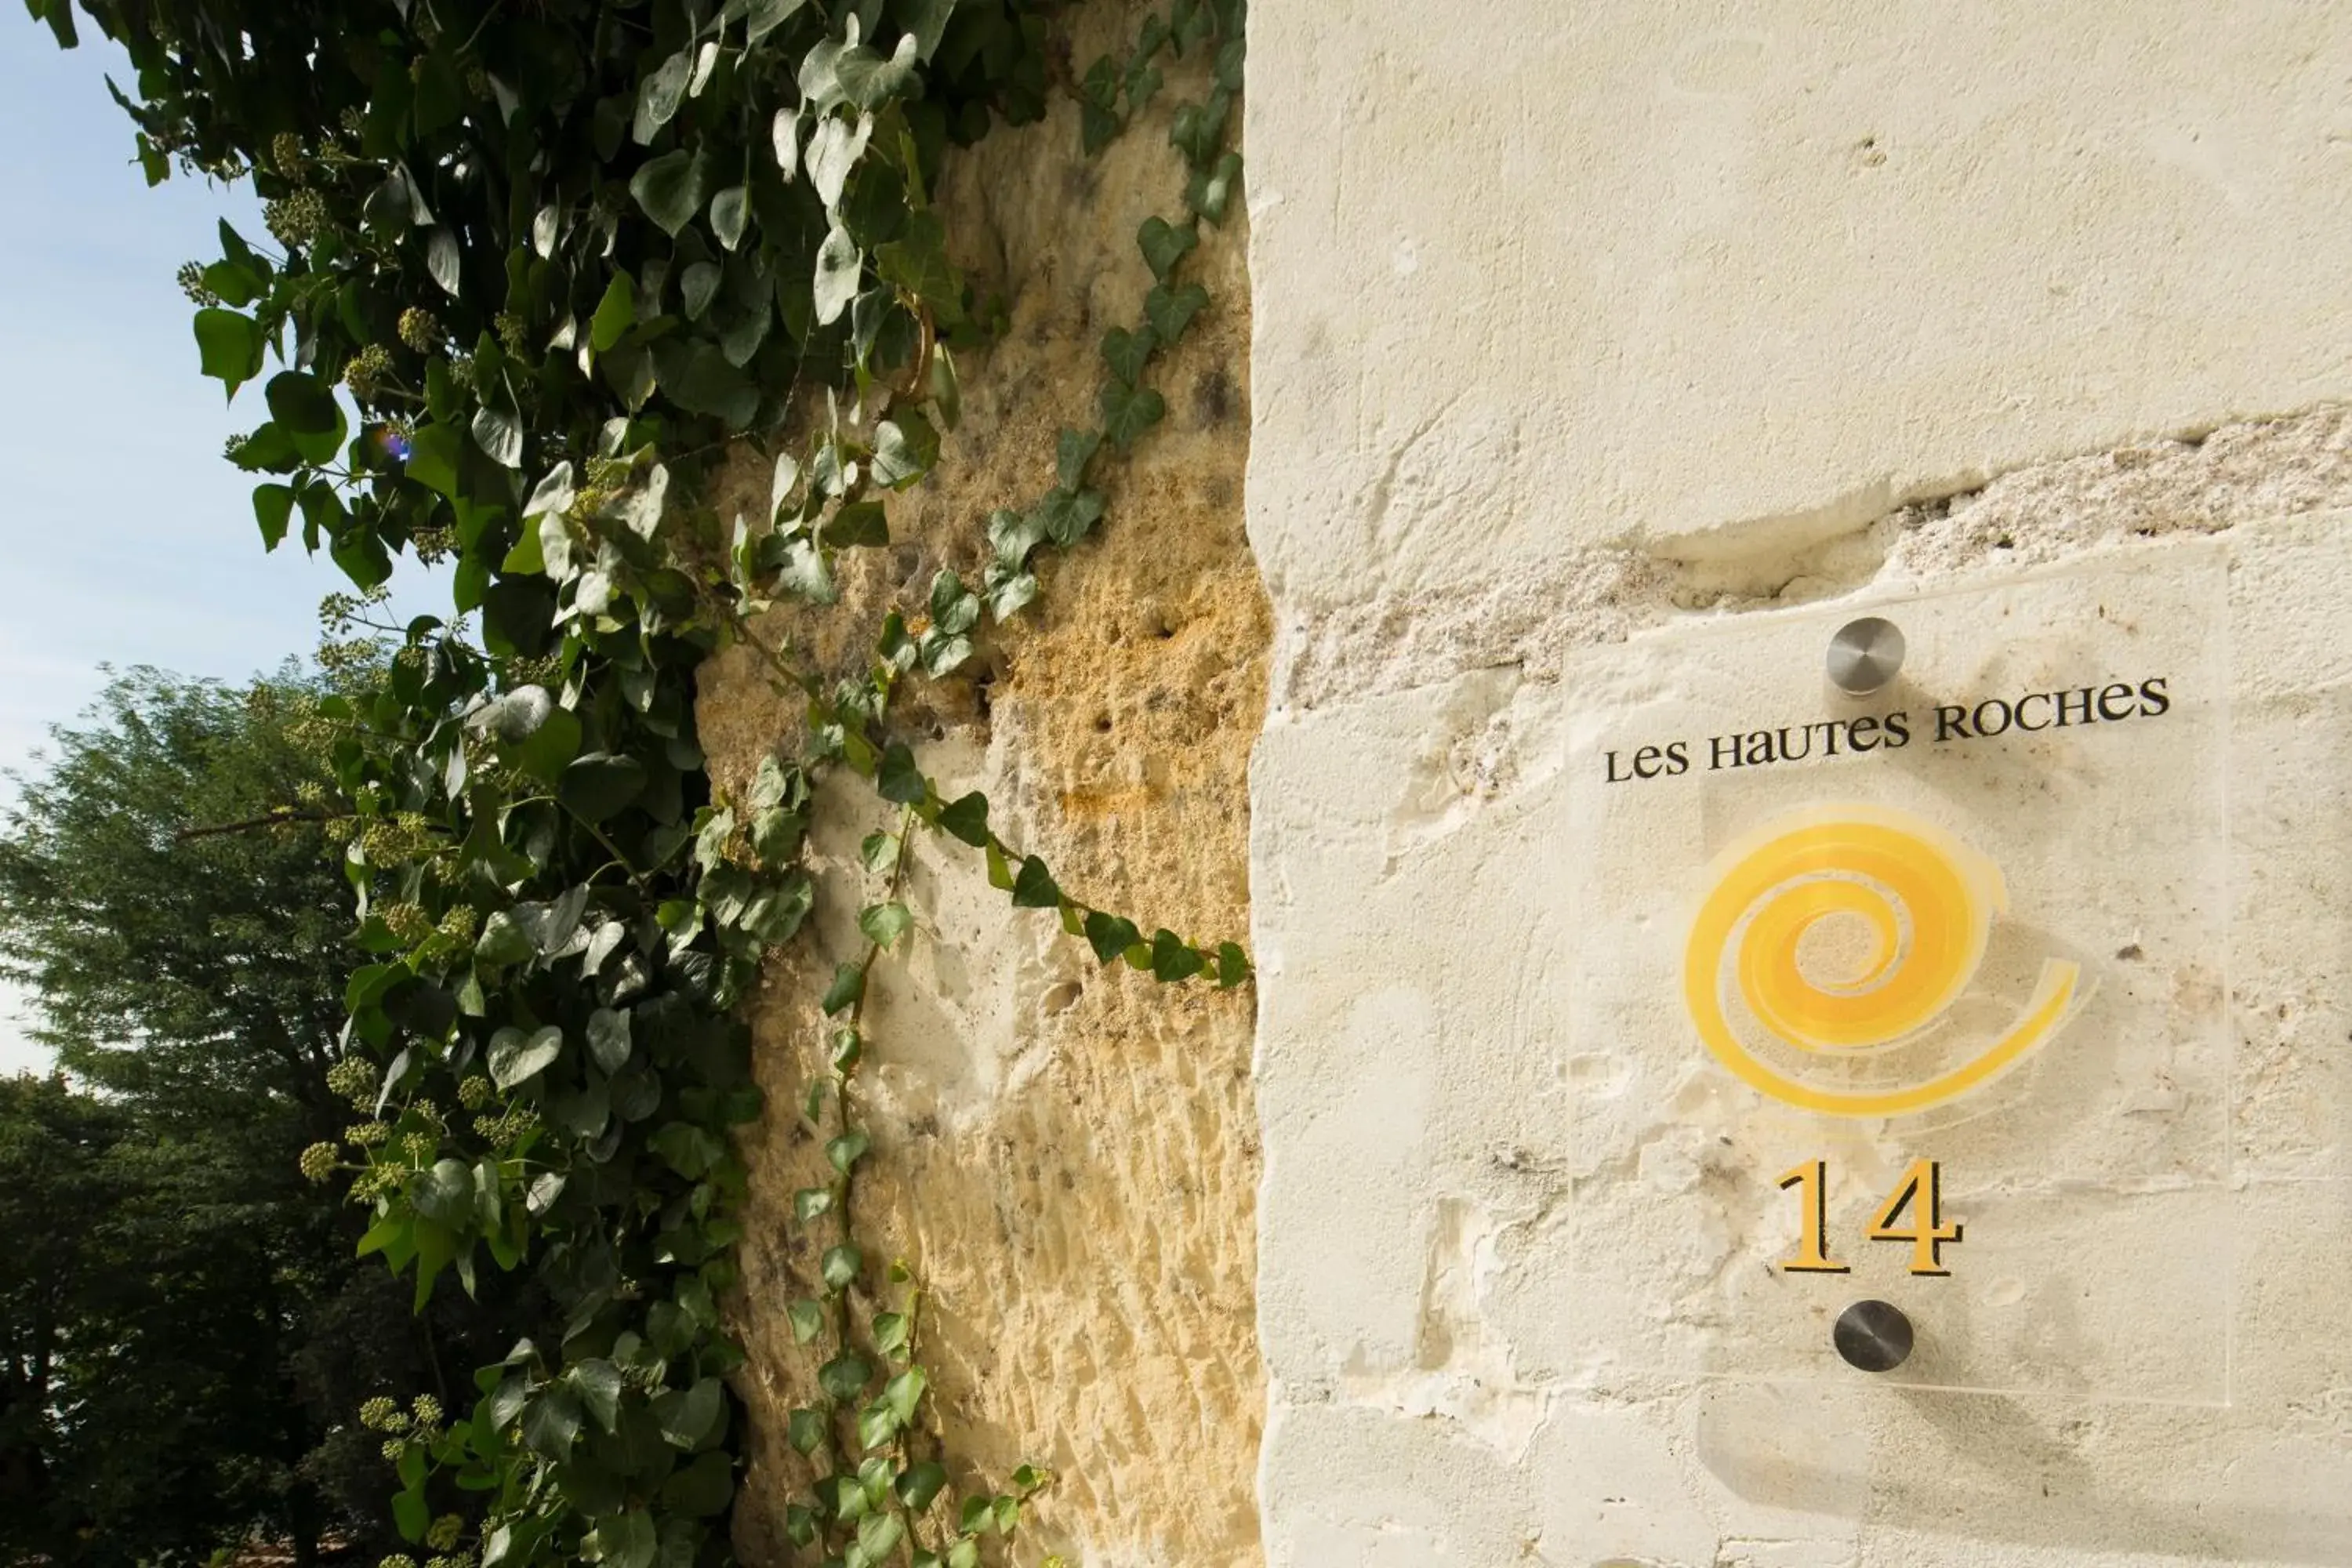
{"x":561,"y":257}
{"x":183,"y":1328}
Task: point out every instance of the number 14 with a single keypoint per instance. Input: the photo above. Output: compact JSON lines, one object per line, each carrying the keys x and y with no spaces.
{"x":1920,"y":1190}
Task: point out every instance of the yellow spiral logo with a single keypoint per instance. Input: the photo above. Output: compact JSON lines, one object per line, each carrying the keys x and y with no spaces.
{"x":1906,"y":908}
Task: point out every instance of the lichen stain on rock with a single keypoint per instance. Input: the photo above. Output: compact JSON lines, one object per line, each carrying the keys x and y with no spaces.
{"x":1066,"y":1155}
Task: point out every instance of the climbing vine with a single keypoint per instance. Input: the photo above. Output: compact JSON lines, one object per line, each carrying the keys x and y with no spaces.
{"x":541,"y":268}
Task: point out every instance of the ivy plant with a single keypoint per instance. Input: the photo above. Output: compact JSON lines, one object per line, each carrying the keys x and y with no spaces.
{"x":535,"y":270}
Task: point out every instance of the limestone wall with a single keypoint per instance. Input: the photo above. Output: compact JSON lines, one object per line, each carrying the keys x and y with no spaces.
{"x":1067,"y":1156}
{"x":1607,"y":359}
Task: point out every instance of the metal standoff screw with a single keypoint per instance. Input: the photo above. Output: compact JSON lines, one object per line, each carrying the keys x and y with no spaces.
{"x":1874,"y":1336}
{"x":1865,"y":655}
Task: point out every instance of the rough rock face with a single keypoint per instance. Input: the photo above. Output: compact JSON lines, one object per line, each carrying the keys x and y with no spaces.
{"x":1066,"y":1156}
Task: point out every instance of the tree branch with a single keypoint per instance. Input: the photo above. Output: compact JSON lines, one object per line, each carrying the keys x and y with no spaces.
{"x":275,"y":819}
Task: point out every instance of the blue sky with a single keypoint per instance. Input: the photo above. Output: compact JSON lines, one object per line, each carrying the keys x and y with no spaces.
{"x":125,"y":538}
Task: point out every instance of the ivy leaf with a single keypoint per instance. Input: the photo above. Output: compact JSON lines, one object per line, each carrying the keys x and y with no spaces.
{"x":514,"y":717}
{"x":1230,"y":63}
{"x":1072,"y":453}
{"x":1211,"y":192}
{"x":503,"y":941}
{"x":1065,"y":517}
{"x":805,"y":1428}
{"x":433,"y":456}
{"x":1034,"y":888}
{"x":1012,"y":535}
{"x":844,"y":1377}
{"x":785,"y":133}
{"x":884,"y":924}
{"x":1164,"y":244}
{"x":1142,"y":85}
{"x":925,"y":22}
{"x":616,"y":313}
{"x":839,"y":265}
{"x":499,"y":434}
{"x":917,"y":263}
{"x":301,"y":405}
{"x":804,"y":574}
{"x":598,"y":785}
{"x":1127,"y":352}
{"x":767,"y":15}
{"x":811,"y":1204}
{"x":1098,"y":127}
{"x":868,"y":80}
{"x":551,"y":1422}
{"x":953,"y":608}
{"x":861,"y":522}
{"x":273,"y":505}
{"x":696,"y":286}
{"x":731,"y":210}
{"x":358,"y":550}
{"x":904,"y":1391}
{"x":1199,"y":126}
{"x":1129,"y":410}
{"x":1009,"y":594}
{"x":897,"y":779}
{"x":443,"y":260}
{"x":905,"y":449}
{"x":807,"y":1318}
{"x":839,"y":1268}
{"x":1100,"y":84}
{"x":553,"y":493}
{"x":834,"y":149}
{"x":445,"y":1192}
{"x":236,"y":284}
{"x":1173,"y":958}
{"x":966,"y":818}
{"x":267,"y":451}
{"x":1232,"y":965}
{"x":659,"y":95}
{"x":919,"y":1484}
{"x":846,"y":1151}
{"x":848,"y":985}
{"x":819,"y":74}
{"x":627,"y":1540}
{"x":877,"y":1537}
{"x":1171,"y":311}
{"x":515,"y":1058}
{"x":608,"y":1036}
{"x":599,"y":1382}
{"x":688,"y":1150}
{"x":549,"y":747}
{"x":690,"y":1418}
{"x":1110,"y":935}
{"x":669,"y":189}
{"x":702,"y":1488}
{"x":696,"y":377}
{"x":943,"y":655}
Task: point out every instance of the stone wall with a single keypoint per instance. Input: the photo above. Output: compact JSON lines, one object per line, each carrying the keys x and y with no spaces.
{"x":1066,"y":1155}
{"x":1606,"y":360}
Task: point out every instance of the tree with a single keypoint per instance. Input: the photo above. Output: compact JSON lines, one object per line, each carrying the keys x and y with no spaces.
{"x":55,"y":1189}
{"x":186,"y":1349}
{"x":194,"y":970}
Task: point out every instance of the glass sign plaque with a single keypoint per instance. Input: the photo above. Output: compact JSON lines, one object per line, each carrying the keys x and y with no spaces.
{"x":1918,"y":997}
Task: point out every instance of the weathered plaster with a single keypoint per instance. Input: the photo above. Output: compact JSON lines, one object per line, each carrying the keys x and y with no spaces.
{"x":1580,"y":327}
